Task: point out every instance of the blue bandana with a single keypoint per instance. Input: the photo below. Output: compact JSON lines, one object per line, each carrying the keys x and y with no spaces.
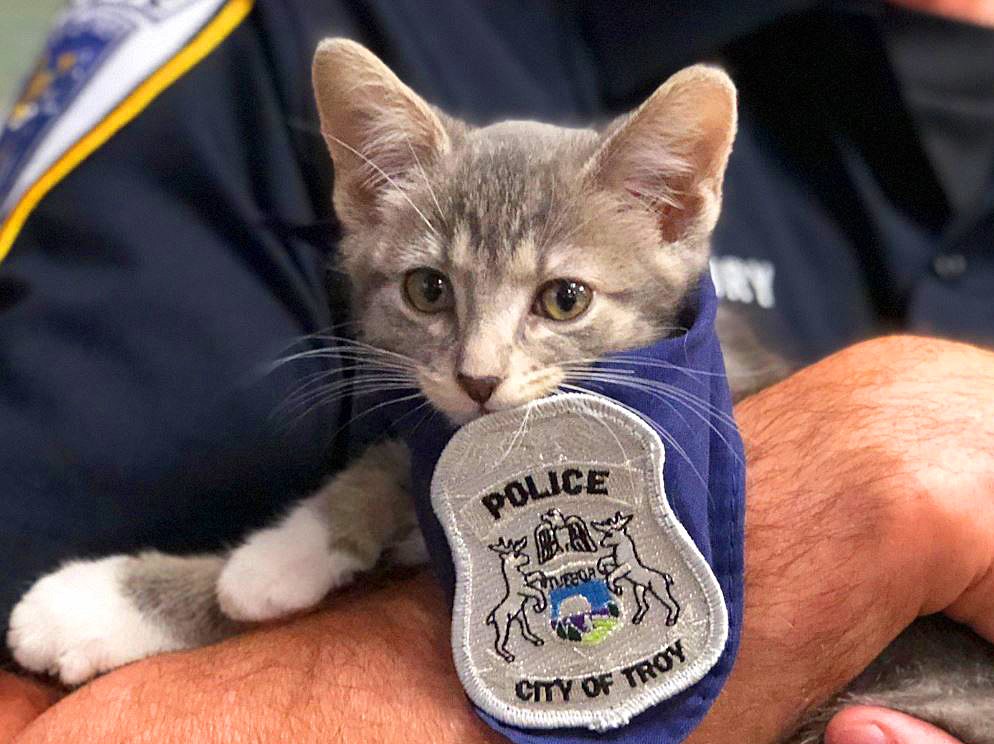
{"x":689,"y":404}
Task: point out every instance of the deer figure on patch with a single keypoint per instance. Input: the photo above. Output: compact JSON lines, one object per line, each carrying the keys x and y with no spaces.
{"x":517,"y":592}
{"x":624,"y":564}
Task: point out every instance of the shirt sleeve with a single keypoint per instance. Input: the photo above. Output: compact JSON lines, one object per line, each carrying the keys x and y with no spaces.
{"x":142,"y":303}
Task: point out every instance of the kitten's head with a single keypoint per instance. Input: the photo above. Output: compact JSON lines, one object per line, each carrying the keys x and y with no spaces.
{"x":498,"y":259}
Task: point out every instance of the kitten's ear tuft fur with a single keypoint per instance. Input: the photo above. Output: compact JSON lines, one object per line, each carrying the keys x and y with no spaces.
{"x":378,"y":130}
{"x":670,"y":153}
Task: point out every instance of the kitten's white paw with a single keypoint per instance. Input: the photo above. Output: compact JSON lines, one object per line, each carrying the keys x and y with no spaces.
{"x":283,"y":570}
{"x":76,"y":623}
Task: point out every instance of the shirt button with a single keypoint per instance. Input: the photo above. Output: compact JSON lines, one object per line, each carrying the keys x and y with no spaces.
{"x":949,"y":265}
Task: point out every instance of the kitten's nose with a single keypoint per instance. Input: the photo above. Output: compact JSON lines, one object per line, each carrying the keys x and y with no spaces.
{"x":478,"y":388}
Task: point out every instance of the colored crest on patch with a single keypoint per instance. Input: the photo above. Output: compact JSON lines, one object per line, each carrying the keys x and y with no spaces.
{"x":97,"y":52}
{"x":580,"y":598}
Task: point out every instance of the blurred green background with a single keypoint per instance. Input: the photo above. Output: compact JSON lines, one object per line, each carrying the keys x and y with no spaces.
{"x":23,"y":24}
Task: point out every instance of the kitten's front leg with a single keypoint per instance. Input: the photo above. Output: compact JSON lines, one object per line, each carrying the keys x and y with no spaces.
{"x":324,"y":541}
{"x":89,"y":617}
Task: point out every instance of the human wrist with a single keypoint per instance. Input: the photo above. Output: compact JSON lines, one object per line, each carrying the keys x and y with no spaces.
{"x":841,"y":555}
{"x":928,"y":413}
{"x":899,"y":429}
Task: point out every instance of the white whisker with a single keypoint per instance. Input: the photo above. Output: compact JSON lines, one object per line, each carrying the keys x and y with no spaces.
{"x":689,"y":402}
{"x":656,"y":388}
{"x":392,"y":401}
{"x":346,"y":387}
{"x":385,"y":175}
{"x":665,"y":435}
{"x":320,"y":398}
{"x":521,"y":432}
{"x":424,"y":175}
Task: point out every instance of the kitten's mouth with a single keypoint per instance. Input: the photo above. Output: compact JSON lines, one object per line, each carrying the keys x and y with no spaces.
{"x":464,"y":417}
{"x":481,"y":411}
{"x":486,"y":408}
{"x":461,"y":418}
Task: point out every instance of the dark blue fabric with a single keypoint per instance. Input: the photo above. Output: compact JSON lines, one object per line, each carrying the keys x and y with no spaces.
{"x":705,"y":485}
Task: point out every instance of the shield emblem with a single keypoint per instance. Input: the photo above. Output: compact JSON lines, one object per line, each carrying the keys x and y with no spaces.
{"x":580,"y":599}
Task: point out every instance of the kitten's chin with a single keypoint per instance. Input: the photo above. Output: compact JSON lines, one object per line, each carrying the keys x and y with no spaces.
{"x":459,"y":418}
{"x":463,"y":414}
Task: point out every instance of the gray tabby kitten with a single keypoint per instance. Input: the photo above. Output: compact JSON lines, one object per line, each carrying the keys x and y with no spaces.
{"x":489,"y":266}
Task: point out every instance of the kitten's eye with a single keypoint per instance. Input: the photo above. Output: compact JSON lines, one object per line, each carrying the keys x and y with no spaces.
{"x":428,"y":290}
{"x":562,"y":299}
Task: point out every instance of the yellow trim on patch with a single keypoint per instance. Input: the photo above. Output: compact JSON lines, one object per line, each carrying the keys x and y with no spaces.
{"x":217,"y":30}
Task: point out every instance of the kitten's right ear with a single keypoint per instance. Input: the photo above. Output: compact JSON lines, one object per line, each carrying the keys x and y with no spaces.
{"x":378,"y":130}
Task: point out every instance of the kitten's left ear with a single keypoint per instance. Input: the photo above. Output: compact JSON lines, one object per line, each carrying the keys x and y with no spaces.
{"x":378,"y":130}
{"x":669,"y":155}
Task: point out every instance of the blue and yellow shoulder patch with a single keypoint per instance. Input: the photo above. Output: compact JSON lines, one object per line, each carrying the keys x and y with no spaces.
{"x":104,"y":61}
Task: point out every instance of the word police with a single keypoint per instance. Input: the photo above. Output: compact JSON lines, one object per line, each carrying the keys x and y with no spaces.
{"x":570,"y":481}
{"x":639,"y":673}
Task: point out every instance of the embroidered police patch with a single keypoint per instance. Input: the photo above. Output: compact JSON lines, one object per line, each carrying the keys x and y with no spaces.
{"x":96,"y":54}
{"x":580,"y":599}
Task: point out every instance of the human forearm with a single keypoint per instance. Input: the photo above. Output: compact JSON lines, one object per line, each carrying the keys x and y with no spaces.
{"x":21,"y":701}
{"x":850,"y":535}
{"x":373,"y":667}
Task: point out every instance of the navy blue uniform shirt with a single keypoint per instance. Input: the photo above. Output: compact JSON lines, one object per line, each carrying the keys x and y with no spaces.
{"x":153,"y":280}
